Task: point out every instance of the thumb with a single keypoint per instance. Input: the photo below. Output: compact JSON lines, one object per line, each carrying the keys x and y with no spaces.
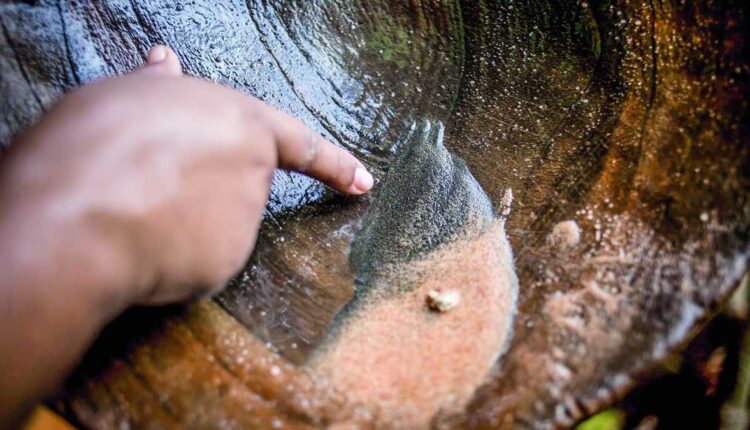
{"x":162,"y":61}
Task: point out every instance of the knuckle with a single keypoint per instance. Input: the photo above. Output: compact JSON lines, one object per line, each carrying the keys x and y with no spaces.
{"x":266,"y":154}
{"x":340,"y":171}
{"x":258,"y":146}
{"x":255,"y":111}
{"x":344,"y":170}
{"x":313,"y":144}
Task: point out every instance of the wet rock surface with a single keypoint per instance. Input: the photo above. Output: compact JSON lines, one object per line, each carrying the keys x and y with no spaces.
{"x":430,"y":227}
{"x":428,"y":198}
{"x":628,"y":118}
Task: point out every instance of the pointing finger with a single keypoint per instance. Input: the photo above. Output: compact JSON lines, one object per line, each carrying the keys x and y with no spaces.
{"x":303,"y":150}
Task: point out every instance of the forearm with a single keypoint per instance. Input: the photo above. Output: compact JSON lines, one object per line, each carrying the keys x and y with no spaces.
{"x":60,"y":282}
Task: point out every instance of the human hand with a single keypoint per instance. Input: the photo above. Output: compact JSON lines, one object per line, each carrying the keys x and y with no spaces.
{"x":169,"y":174}
{"x":142,"y":189}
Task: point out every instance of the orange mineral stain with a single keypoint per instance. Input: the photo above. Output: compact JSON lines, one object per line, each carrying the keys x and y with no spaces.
{"x":404,"y":362}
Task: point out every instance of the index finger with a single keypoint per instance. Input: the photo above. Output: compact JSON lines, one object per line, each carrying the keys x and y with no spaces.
{"x":303,"y":150}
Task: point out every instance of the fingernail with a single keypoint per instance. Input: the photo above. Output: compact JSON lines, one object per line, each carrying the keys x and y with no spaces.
{"x":362,"y":180}
{"x":157,"y":54}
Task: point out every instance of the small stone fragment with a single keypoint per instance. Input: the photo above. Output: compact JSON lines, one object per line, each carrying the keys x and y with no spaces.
{"x":440,"y":301}
{"x":565,"y":234}
{"x":506,"y":202}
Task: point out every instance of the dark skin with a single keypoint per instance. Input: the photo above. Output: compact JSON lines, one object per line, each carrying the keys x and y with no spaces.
{"x":143,"y":189}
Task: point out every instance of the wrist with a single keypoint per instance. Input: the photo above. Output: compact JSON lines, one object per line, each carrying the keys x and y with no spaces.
{"x":61,"y":281}
{"x":64,"y":257}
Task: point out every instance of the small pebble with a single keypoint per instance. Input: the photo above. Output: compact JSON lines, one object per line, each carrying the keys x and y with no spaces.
{"x":440,"y":301}
{"x":565,"y":234}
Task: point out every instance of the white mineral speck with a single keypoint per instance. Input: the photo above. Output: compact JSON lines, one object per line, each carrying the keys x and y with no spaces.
{"x":443,"y":301}
{"x":565,"y":234}
{"x":506,"y":202}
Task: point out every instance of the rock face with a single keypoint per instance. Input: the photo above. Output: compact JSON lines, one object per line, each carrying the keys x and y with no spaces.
{"x":626,"y":117}
{"x":431,"y":227}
